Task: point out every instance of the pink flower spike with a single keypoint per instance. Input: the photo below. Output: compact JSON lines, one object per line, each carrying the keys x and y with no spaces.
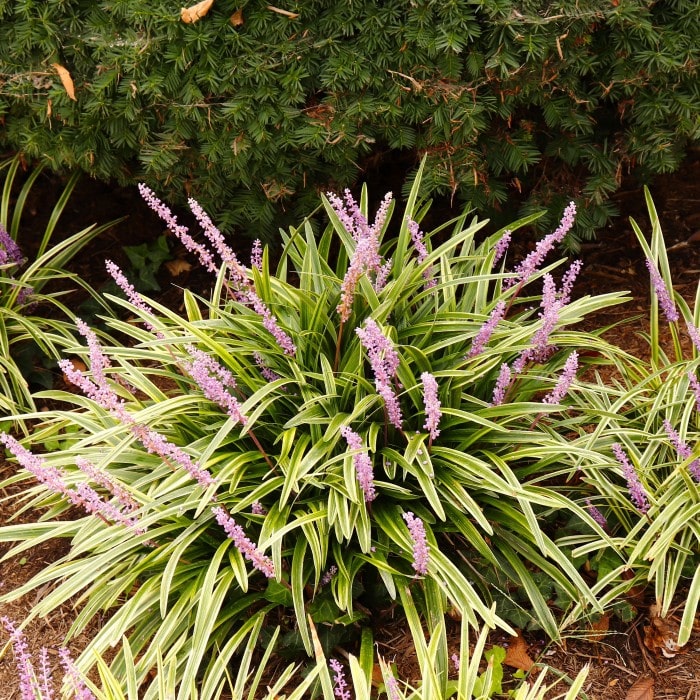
{"x":532,"y":262}
{"x":244,"y":545}
{"x":133,"y":296}
{"x":486,"y":330}
{"x":502,"y":384}
{"x":256,"y":254}
{"x":564,"y":382}
{"x":79,"y":687}
{"x":432,"y":405}
{"x":421,"y":552}
{"x":384,"y":361}
{"x":340,"y":689}
{"x":666,"y":302}
{"x":214,"y":381}
{"x":501,"y":246}
{"x":23,"y":659}
{"x":638,"y":494}
{"x":362,"y":463}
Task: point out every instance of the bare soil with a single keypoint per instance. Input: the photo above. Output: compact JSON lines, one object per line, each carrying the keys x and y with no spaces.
{"x":617,"y":656}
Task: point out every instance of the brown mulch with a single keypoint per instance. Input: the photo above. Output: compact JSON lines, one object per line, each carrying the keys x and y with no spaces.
{"x":618,"y":659}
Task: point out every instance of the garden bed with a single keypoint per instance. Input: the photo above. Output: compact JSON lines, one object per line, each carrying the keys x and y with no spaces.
{"x":618,"y":658}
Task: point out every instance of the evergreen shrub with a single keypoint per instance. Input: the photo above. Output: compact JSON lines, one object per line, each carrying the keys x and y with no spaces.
{"x":253,"y":107}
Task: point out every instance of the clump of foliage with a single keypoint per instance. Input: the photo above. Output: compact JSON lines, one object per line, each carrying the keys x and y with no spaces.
{"x":252,"y":107}
{"x":309,"y":446}
{"x":35,"y":325}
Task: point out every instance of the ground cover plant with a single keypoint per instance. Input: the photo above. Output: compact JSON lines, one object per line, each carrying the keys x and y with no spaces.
{"x":409,"y":424}
{"x":36,"y":325}
{"x":252,"y":107}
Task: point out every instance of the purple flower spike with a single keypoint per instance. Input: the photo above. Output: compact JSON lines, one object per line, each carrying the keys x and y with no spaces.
{"x":256,"y":254}
{"x":666,"y":302}
{"x":83,"y":495}
{"x":99,"y":390}
{"x":340,"y":687}
{"x":215,"y":381}
{"x":567,"y":281}
{"x":638,"y":495}
{"x":361,"y":462}
{"x":366,"y":257}
{"x":567,"y":376}
{"x":532,"y":262}
{"x":133,"y":296}
{"x":695,"y":386}
{"x":694,"y":334}
{"x":596,"y":514}
{"x":235,"y":532}
{"x":79,"y":687}
{"x":182,"y":232}
{"x":486,"y":330}
{"x":422,"y":252}
{"x":421,"y":552}
{"x":329,"y":575}
{"x":432,"y":405}
{"x":683,"y":449}
{"x":392,"y":688}
{"x":501,"y":246}
{"x":257,"y":508}
{"x":10,"y":253}
{"x":237,"y":271}
{"x":384,"y":361}
{"x":502,"y":384}
{"x":270,"y":323}
{"x":23,"y":659}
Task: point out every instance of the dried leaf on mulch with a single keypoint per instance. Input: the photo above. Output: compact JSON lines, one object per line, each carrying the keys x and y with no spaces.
{"x":661,"y":635}
{"x":178,"y":266}
{"x":517,"y":656}
{"x":643,"y":689}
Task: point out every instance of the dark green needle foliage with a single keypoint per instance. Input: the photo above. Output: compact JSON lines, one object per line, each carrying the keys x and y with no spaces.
{"x":253,"y":108}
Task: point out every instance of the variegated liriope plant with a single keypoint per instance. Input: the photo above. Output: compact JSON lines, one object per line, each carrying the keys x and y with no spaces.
{"x":643,"y":461}
{"x":378,"y":421}
{"x":36,"y":324}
